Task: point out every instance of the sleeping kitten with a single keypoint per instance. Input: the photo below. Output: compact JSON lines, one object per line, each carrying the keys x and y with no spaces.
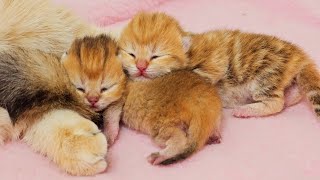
{"x":152,"y":46}
{"x":93,"y":69}
{"x":255,"y":74}
{"x":179,"y":110}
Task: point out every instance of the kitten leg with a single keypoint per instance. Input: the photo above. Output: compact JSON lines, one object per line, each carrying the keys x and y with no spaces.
{"x":112,"y":118}
{"x":175,"y":142}
{"x":74,"y":143}
{"x":292,"y":95}
{"x":262,"y":107}
{"x":6,"y":127}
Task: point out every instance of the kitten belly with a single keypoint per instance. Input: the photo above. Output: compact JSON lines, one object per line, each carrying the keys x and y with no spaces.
{"x":234,"y":96}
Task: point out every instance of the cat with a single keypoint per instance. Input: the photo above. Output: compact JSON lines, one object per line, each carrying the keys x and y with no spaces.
{"x":151,"y":46}
{"x":93,"y":68}
{"x":180,"y":110}
{"x":38,"y":103}
{"x":255,"y":74}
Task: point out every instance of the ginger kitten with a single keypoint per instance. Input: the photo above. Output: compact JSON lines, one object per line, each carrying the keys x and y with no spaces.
{"x":179,"y":110}
{"x":255,"y":74}
{"x":151,"y":46}
{"x":94,"y":70}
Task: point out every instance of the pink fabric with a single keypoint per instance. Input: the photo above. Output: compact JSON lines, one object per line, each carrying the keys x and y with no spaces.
{"x":281,"y":147}
{"x":105,"y":12}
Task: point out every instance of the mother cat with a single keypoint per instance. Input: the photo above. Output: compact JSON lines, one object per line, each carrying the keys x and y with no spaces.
{"x":36,"y":95}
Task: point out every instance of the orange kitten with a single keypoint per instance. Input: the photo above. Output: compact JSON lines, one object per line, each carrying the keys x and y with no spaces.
{"x":151,"y":46}
{"x":255,"y":74}
{"x":92,"y":67}
{"x":179,"y":110}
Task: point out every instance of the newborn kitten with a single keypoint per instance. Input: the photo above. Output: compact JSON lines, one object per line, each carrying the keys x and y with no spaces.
{"x":151,"y":46}
{"x":93,"y":68}
{"x":255,"y":74}
{"x":179,"y":110}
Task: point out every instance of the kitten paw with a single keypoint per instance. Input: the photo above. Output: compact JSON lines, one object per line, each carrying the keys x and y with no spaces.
{"x":83,"y":151}
{"x":242,"y":112}
{"x":156,"y":158}
{"x":214,"y":139}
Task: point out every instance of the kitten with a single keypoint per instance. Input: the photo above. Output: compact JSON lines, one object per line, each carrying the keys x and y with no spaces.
{"x":152,"y":46}
{"x":179,"y":110}
{"x":94,"y":70}
{"x":255,"y":74}
{"x":37,"y":101}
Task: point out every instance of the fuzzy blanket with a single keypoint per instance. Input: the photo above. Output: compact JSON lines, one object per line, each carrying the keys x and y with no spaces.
{"x":281,"y":147}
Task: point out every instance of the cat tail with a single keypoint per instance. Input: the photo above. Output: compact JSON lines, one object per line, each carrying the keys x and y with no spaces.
{"x":197,"y":135}
{"x":308,"y":81}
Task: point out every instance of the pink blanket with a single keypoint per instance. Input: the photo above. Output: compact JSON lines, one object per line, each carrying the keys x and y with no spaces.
{"x":281,"y":147}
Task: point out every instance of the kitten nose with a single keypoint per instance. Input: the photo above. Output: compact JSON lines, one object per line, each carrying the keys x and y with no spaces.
{"x":142,"y":65}
{"x":93,"y":99}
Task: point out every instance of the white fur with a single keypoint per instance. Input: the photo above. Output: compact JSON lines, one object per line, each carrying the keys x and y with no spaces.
{"x":71,"y":141}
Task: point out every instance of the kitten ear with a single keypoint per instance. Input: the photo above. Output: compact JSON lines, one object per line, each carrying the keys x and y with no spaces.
{"x":186,"y":43}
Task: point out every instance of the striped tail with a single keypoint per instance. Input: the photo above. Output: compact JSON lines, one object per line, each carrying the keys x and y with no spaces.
{"x":309,"y":82}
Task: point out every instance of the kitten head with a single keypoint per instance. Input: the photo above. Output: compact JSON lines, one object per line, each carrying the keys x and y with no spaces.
{"x":94,"y":69}
{"x":152,"y":45}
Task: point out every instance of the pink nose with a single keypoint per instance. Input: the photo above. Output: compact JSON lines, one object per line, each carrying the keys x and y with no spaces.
{"x":93,"y":100}
{"x":142,"y":65}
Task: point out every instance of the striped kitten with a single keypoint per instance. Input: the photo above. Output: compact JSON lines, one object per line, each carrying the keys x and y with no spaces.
{"x":94,"y":70}
{"x":255,"y":74}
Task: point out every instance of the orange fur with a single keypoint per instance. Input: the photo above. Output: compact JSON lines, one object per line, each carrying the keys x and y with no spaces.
{"x":253,"y":71}
{"x":179,"y":110}
{"x":255,"y":74}
{"x":152,"y":40}
{"x":93,"y":68}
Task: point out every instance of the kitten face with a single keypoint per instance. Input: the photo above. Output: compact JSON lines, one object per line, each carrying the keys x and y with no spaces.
{"x":152,"y":45}
{"x":94,"y":69}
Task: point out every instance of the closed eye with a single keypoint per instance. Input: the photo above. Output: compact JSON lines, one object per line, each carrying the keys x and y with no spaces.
{"x":104,"y":89}
{"x":81,"y":89}
{"x":154,"y":57}
{"x":132,"y":55}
